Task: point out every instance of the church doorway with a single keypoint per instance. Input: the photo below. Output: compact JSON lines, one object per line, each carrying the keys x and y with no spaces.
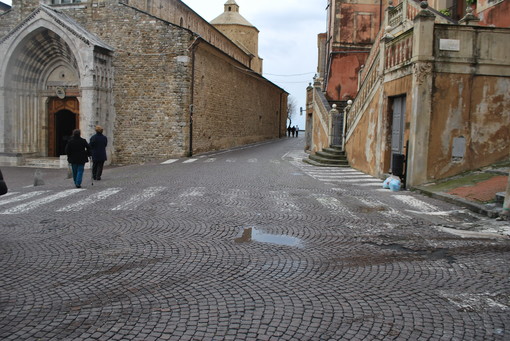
{"x":63,"y":119}
{"x":65,"y":123}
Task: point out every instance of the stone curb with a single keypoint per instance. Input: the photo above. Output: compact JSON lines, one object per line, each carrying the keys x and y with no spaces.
{"x":478,"y":208}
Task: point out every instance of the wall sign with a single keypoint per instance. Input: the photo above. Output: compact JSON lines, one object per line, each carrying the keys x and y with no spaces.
{"x":449,"y":44}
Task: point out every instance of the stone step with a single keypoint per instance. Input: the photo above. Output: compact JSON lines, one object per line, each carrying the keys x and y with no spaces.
{"x":318,"y":164}
{"x":47,"y":162}
{"x":335,"y":151}
{"x":329,"y":161}
{"x":331,"y":156}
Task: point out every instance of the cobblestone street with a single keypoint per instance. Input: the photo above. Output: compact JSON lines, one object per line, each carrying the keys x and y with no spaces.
{"x":247,"y":244}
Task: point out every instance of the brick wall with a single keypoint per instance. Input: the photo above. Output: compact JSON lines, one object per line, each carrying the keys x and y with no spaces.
{"x":233,"y":106}
{"x":152,"y":81}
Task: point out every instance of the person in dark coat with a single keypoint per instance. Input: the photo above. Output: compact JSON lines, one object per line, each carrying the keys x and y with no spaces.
{"x":78,"y":152}
{"x":98,"y":143}
{"x":3,"y":185}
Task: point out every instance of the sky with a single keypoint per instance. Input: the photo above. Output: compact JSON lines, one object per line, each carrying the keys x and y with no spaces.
{"x":287,"y":39}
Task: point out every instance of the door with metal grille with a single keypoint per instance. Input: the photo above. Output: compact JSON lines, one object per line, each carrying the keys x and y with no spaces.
{"x":337,"y":124}
{"x":397,"y":135}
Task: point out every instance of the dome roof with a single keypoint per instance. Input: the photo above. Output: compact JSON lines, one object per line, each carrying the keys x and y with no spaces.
{"x":231,"y":16}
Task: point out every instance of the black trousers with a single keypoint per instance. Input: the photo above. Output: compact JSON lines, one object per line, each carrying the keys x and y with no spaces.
{"x":97,"y":169}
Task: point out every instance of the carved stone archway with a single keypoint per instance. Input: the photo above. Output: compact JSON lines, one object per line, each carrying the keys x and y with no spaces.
{"x":47,"y":63}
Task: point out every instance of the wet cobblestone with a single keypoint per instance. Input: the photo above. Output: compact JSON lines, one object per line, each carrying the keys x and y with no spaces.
{"x":368,"y":266}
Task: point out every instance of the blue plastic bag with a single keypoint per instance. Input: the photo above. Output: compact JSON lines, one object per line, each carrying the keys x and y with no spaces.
{"x":386,"y":183}
{"x":395,"y":185}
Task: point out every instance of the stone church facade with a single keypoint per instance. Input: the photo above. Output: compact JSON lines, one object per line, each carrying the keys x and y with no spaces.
{"x":162,"y":81}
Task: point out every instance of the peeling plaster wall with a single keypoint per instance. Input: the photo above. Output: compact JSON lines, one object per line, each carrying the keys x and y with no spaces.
{"x":353,"y":27}
{"x":494,"y":12}
{"x":343,"y":80}
{"x":476,"y":108}
{"x":361,"y":147}
{"x":398,"y":87}
{"x":470,"y":112}
{"x":320,"y":130}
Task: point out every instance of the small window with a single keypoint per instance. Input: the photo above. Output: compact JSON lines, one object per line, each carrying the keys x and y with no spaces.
{"x":61,"y":2}
{"x":230,"y":9}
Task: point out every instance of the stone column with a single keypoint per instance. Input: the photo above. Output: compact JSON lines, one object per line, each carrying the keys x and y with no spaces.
{"x":333,"y":113}
{"x":344,"y":122}
{"x":421,"y":112}
{"x":88,"y":100}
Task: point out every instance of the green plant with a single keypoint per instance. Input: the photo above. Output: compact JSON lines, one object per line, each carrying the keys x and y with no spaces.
{"x":445,"y":12}
{"x":470,"y":2}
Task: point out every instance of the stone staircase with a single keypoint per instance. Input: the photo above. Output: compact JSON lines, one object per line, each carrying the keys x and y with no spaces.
{"x":333,"y":156}
{"x":43,"y":162}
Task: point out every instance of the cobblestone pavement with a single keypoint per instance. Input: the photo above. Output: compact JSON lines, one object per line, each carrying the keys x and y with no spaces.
{"x":248,"y":244}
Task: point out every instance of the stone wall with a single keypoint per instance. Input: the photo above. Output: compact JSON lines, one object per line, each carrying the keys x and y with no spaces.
{"x":176,"y":12}
{"x":7,"y":21}
{"x":233,"y":105}
{"x":152,"y":80}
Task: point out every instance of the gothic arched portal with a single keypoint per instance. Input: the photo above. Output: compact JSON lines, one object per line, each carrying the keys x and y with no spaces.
{"x":42,"y":64}
{"x":51,"y":71}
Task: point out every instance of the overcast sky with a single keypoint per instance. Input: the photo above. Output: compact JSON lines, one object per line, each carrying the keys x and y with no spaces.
{"x":287,"y":39}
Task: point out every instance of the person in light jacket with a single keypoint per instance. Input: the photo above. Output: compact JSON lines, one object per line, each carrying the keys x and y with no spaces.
{"x":78,"y":152}
{"x":98,"y":143}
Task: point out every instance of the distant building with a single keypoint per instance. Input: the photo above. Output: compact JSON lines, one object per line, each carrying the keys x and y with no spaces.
{"x":162,"y":81}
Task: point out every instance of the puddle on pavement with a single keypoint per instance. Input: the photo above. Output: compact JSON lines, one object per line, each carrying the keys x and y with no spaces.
{"x":251,"y":234}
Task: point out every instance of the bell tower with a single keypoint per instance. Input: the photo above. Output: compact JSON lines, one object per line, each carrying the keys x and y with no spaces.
{"x":232,"y":24}
{"x":231,"y":6}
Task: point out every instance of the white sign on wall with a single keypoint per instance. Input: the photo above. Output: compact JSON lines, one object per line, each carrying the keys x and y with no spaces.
{"x":449,"y":44}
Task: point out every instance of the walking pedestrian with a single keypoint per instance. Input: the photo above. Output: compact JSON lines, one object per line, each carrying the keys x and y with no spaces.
{"x":78,"y":152}
{"x":293,"y":131}
{"x":297,"y":131}
{"x":288,"y":131}
{"x":98,"y":143}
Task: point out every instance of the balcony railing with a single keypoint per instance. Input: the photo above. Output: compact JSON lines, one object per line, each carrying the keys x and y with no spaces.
{"x":364,"y":92}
